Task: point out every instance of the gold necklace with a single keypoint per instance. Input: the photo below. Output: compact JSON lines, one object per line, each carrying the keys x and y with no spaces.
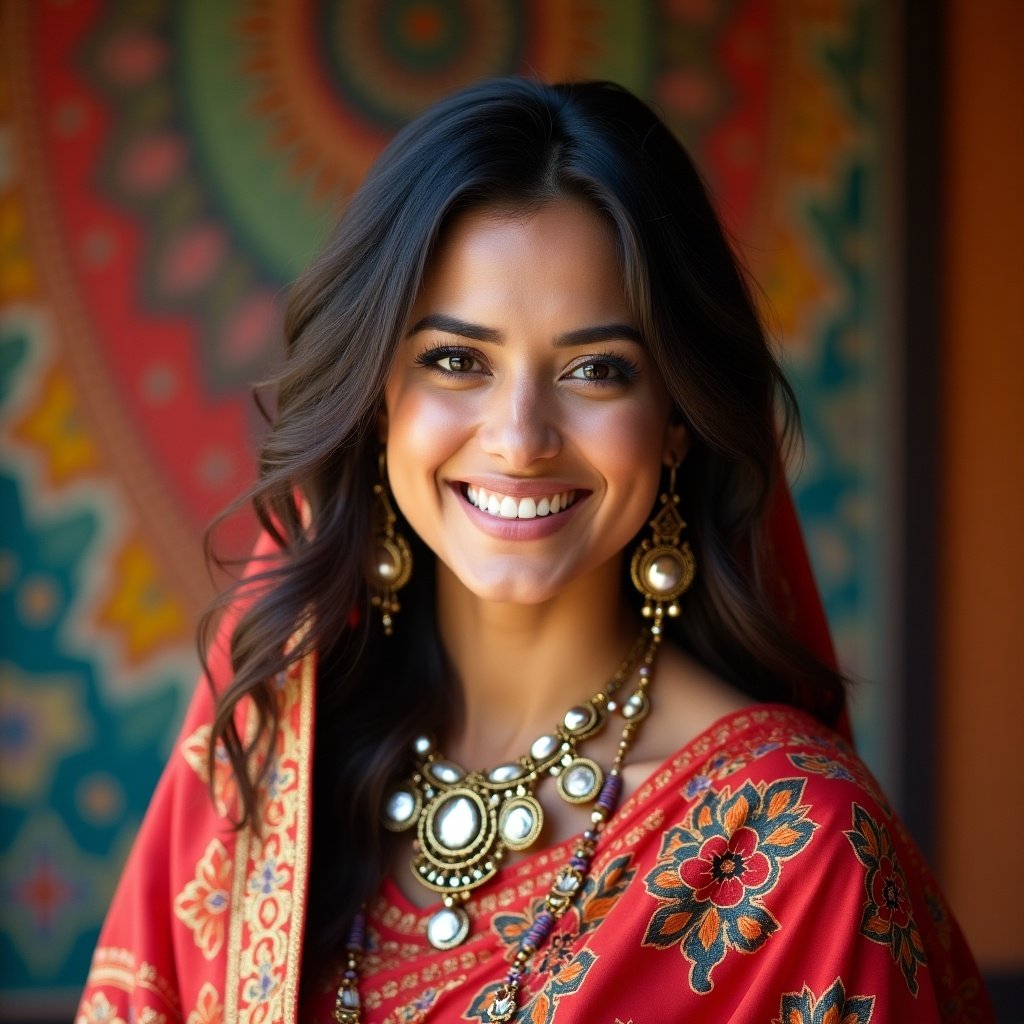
{"x":569,"y":880}
{"x":466,"y":821}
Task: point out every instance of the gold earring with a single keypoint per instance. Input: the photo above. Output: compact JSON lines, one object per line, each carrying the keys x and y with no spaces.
{"x":391,"y":567}
{"x":663,"y":569}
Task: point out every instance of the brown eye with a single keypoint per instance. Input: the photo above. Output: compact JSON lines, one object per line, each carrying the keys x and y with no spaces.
{"x":457,"y":364}
{"x":594,"y":371}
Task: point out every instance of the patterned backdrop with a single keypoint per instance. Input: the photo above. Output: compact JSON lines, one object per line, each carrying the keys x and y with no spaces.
{"x":167,"y":166}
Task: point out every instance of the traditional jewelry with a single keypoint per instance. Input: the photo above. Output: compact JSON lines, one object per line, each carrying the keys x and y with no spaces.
{"x":662,"y":569}
{"x":568,"y":883}
{"x":466,"y":821}
{"x":391,"y":566}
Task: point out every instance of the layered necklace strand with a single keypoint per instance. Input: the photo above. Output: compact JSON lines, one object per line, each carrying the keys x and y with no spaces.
{"x":466,"y":821}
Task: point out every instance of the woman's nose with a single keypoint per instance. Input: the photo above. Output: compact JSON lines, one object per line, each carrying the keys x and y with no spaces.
{"x":520,"y":424}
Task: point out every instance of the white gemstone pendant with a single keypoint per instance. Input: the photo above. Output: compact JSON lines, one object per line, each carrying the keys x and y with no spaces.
{"x":447,"y":772}
{"x":448,"y":928}
{"x":506,"y":772}
{"x":402,"y":809}
{"x":636,"y":706}
{"x":581,"y":781}
{"x":457,"y":821}
{"x":521,"y":822}
{"x":543,"y":747}
{"x":580,"y":718}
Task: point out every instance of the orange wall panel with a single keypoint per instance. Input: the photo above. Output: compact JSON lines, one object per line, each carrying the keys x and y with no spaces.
{"x":981,"y":742}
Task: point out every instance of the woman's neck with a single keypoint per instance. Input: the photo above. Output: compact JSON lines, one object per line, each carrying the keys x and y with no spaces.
{"x":521,"y":667}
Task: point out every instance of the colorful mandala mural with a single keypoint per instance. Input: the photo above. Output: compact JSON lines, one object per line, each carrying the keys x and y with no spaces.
{"x":166,"y":168}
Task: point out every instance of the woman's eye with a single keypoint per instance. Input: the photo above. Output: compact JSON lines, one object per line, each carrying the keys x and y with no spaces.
{"x":456,"y":363}
{"x":598,"y":370}
{"x":450,"y":362}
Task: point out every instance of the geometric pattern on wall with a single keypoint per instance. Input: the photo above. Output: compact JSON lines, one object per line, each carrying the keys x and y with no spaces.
{"x":166,"y":167}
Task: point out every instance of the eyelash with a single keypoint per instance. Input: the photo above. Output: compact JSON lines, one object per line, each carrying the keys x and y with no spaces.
{"x":626,"y":368}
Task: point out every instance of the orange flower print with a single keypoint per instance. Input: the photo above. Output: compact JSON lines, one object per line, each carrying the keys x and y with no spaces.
{"x":725,"y":868}
{"x":202,"y":905}
{"x":195,"y":749}
{"x":208,"y":1007}
{"x":887,"y":917}
{"x":716,"y":868}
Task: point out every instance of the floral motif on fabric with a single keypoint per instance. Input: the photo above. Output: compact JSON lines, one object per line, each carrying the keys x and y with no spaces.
{"x":964,"y":1002}
{"x":887,"y":917}
{"x":208,"y":1009}
{"x":599,"y":894}
{"x":541,"y":1007}
{"x":420,"y":1007}
{"x":98,"y":1010}
{"x":266,"y":892}
{"x":821,"y":764}
{"x":202,"y":905}
{"x":195,"y":749}
{"x":715,"y":869}
{"x":833,"y":1006}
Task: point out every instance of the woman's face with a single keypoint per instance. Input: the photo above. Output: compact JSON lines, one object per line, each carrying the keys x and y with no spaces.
{"x":522,"y":385}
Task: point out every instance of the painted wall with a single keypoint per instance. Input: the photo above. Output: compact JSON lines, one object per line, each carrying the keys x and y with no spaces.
{"x":981,"y":691}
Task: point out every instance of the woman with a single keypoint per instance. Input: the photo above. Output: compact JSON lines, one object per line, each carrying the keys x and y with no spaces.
{"x":600,"y":736}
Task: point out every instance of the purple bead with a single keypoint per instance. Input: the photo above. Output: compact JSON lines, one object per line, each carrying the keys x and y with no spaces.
{"x":580,"y":863}
{"x":610,"y":793}
{"x":590,"y":835}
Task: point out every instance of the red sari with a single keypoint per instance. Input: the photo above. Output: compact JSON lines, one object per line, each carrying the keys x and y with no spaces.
{"x":759,"y":875}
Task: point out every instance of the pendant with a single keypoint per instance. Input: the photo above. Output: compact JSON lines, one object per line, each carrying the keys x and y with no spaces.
{"x":448,"y":928}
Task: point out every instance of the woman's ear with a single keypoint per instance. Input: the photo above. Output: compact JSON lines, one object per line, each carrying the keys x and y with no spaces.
{"x":677,"y":441}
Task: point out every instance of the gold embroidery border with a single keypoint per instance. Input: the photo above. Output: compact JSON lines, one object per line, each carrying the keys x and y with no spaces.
{"x":300,"y":677}
{"x":303,"y":760}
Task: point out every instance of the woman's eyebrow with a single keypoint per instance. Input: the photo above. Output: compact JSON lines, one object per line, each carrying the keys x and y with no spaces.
{"x":477,"y":332}
{"x":453,"y":325}
{"x":601,"y":332}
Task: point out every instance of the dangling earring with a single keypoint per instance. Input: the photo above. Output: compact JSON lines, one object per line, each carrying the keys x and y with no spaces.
{"x":392,"y":560}
{"x":663,"y":569}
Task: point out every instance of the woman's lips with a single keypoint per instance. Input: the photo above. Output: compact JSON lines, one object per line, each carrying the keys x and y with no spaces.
{"x":552,"y":505}
{"x":508,"y":506}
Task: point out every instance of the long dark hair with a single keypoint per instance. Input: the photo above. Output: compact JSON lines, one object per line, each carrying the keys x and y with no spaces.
{"x":515,"y":144}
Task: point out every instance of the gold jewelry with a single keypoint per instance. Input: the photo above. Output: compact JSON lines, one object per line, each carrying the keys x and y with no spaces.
{"x":466,"y":821}
{"x":662,"y":569}
{"x":570,"y":879}
{"x":391,"y":567}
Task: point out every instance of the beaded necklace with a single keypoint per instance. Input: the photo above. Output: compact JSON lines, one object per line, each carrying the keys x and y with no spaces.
{"x":569,"y":880}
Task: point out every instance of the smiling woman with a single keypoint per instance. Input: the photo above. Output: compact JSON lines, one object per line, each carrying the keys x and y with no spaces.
{"x":525,"y":378}
{"x":526,"y":381}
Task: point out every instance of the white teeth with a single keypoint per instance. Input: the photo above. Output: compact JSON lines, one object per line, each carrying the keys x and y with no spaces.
{"x":507,"y":507}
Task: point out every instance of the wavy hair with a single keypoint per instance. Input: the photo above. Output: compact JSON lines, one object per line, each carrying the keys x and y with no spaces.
{"x":512,"y":144}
